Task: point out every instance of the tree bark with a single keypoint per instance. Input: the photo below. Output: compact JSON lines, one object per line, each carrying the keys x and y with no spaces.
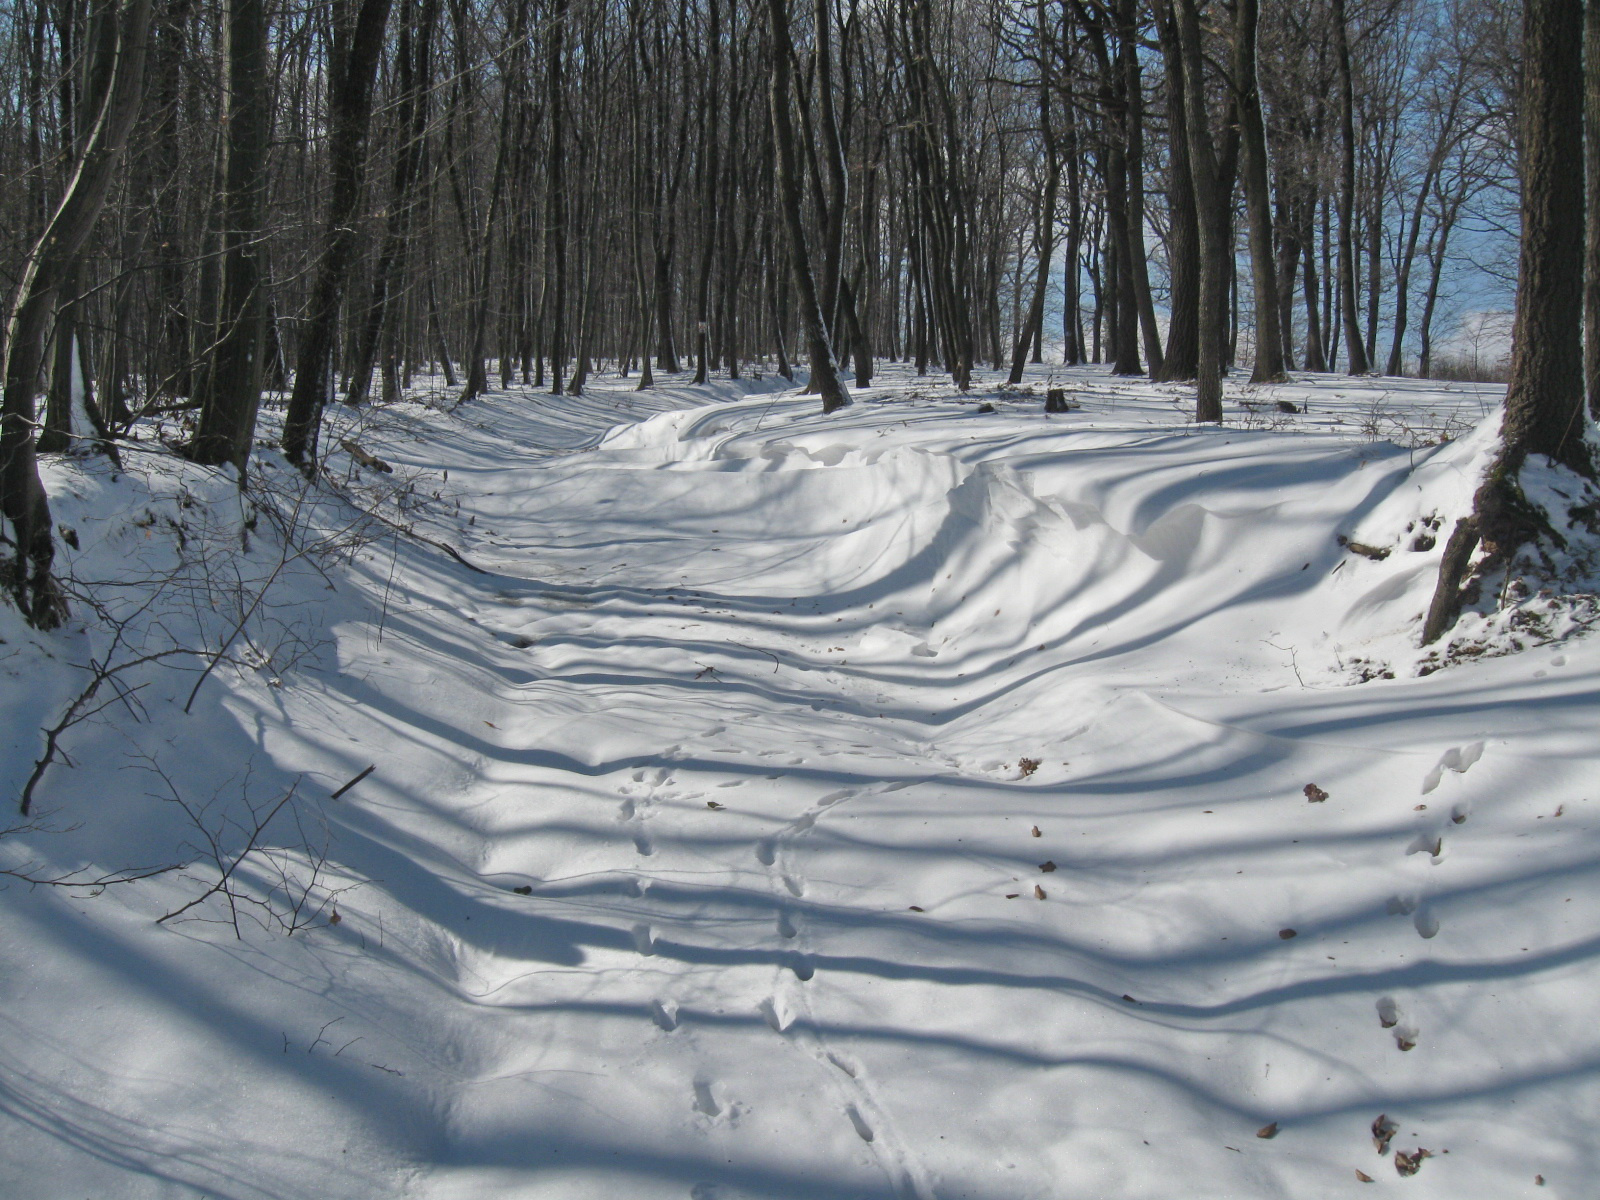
{"x":22,"y":495}
{"x":824,"y":375}
{"x":349,"y":118}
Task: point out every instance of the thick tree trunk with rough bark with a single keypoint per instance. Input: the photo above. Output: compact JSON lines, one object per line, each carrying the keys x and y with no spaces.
{"x":1544,"y":413}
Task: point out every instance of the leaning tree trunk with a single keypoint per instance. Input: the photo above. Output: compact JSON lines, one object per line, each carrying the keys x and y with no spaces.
{"x":1544,"y":411}
{"x":22,"y":495}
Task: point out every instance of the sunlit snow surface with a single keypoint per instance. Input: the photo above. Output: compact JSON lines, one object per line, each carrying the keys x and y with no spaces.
{"x":762,"y":710}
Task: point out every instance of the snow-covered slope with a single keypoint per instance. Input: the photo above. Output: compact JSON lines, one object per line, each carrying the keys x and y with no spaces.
{"x":914,"y":802}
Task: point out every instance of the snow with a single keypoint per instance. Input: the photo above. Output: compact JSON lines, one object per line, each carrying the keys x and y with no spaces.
{"x":699,"y":856}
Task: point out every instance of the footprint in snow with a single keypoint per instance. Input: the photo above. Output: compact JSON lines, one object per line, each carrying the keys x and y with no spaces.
{"x":802,"y":966}
{"x":1402,"y":906}
{"x":786,"y":925}
{"x":626,"y":809}
{"x":1426,"y":922}
{"x":1427,"y":843}
{"x":1388,"y":1012}
{"x":704,"y":1102}
{"x":835,"y":797}
{"x":795,"y":886}
{"x":766,"y":852}
{"x":776,"y":1014}
{"x":863,"y":1130}
{"x":1457,"y":759}
{"x":643,"y":942}
{"x":643,"y":844}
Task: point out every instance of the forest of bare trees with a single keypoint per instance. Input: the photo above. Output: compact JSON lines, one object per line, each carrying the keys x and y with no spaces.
{"x":206,"y":204}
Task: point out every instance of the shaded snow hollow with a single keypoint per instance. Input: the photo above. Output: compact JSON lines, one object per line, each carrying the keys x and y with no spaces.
{"x":911,"y":803}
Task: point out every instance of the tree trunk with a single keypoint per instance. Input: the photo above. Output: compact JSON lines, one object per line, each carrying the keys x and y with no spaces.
{"x":1544,"y":411}
{"x":349,"y":118}
{"x":824,"y":376}
{"x":1257,"y":196}
{"x":232,"y":387}
{"x":22,"y":495}
{"x":1355,"y":351}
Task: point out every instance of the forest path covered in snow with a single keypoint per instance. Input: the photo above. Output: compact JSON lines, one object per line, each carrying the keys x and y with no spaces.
{"x":913,"y":803}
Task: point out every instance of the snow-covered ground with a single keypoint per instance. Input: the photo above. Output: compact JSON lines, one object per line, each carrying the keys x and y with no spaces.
{"x":915,"y":802}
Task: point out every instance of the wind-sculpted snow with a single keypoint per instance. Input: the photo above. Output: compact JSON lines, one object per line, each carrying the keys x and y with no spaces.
{"x":913,"y":803}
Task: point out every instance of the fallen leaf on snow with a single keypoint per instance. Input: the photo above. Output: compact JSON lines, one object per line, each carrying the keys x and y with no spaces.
{"x":1363,"y":1176}
{"x":1038,"y":892}
{"x":1047,"y":867}
{"x":1268,"y":1131}
{"x":524,"y":890}
{"x":1036,"y":832}
{"x":1409,"y":1164}
{"x":918,"y":908}
{"x":712,"y":804}
{"x":1286,"y":934}
{"x":1315,"y":794}
{"x":1383,"y":1131}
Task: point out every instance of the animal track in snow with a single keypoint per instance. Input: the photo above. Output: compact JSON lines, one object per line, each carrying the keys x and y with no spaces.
{"x":786,"y":925}
{"x":834,"y":797}
{"x":863,"y":1130}
{"x":704,"y":1102}
{"x":1427,"y":843}
{"x":665,"y":1014}
{"x":796,"y":887}
{"x":1457,"y":759}
{"x":1426,"y":922}
{"x":802,"y":966}
{"x":626,"y":810}
{"x":776,"y":1014}
{"x":643,"y":843}
{"x":643,"y":942}
{"x":1388,"y":1012}
{"x":766,"y":852}
{"x":1401,"y":906}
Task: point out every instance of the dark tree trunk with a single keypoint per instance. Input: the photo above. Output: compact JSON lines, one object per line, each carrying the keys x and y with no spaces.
{"x":22,"y":494}
{"x":232,"y":390}
{"x":824,"y":375}
{"x":1544,"y":412}
{"x":349,"y":117}
{"x":1355,"y":351}
{"x":1181,"y":361}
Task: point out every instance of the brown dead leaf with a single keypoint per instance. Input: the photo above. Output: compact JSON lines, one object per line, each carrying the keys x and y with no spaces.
{"x":1383,"y":1131}
{"x":918,"y":908}
{"x":1286,"y":934}
{"x":714,"y":806}
{"x":1047,"y":867}
{"x":1012,"y":895}
{"x":1363,"y":1176}
{"x":1315,"y":794}
{"x":1409,"y":1164}
{"x":1036,"y":832}
{"x":334,"y":918}
{"x":1026,"y":767}
{"x":1038,"y":892}
{"x":1268,"y":1131}
{"x":524,"y":890}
